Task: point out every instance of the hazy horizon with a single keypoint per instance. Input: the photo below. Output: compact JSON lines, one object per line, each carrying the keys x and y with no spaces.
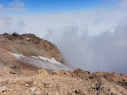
{"x":91,"y":34}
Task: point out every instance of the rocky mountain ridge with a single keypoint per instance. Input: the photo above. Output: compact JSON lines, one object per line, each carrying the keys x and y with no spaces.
{"x":29,"y":45}
{"x":20,"y":78}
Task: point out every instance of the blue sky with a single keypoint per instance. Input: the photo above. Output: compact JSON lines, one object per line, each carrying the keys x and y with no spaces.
{"x":50,"y":6}
{"x":66,"y":5}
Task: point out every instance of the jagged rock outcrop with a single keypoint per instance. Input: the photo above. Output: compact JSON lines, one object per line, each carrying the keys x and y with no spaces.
{"x":29,"y":45}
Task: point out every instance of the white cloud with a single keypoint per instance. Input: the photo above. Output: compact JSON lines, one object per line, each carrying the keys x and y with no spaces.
{"x":92,"y":40}
{"x":8,"y":25}
{"x":93,"y":22}
{"x":5,"y":24}
{"x":16,"y":5}
{"x":1,"y":6}
{"x":124,"y":3}
{"x":1,"y":9}
{"x":104,"y":52}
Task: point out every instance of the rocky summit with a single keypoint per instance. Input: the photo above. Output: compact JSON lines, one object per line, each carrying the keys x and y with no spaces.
{"x":29,"y":45}
{"x":20,"y":75}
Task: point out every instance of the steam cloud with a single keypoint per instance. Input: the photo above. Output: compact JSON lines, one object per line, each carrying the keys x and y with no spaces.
{"x":94,"y":41}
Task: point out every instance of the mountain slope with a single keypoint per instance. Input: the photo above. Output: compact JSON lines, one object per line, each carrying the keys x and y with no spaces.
{"x":29,"y":45}
{"x":25,"y":58}
{"x":29,"y":49}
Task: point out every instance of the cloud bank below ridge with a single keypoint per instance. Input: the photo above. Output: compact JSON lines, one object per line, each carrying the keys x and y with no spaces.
{"x":93,"y":40}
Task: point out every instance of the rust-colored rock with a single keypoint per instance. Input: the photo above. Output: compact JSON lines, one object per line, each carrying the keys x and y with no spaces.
{"x":29,"y":45}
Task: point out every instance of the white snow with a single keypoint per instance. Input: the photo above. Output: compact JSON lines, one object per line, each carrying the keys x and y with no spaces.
{"x":49,"y":60}
{"x":18,"y":56}
{"x":34,"y":56}
{"x":41,"y":62}
{"x":27,"y":38}
{"x":53,"y":59}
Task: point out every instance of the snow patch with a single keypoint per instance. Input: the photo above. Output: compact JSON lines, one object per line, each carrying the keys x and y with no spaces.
{"x":27,"y":38}
{"x":18,"y":56}
{"x":53,"y":59}
{"x":41,"y":62}
{"x":49,"y":60}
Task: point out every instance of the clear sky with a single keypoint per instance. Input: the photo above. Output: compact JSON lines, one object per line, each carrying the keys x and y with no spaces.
{"x":66,"y":5}
{"x":47,"y":6}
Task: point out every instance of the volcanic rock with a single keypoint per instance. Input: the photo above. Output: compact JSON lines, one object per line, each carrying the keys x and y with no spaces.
{"x":29,"y":45}
{"x":3,"y":88}
{"x":17,"y":78}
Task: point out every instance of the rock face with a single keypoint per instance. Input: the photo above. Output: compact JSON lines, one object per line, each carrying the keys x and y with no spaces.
{"x":29,"y":45}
